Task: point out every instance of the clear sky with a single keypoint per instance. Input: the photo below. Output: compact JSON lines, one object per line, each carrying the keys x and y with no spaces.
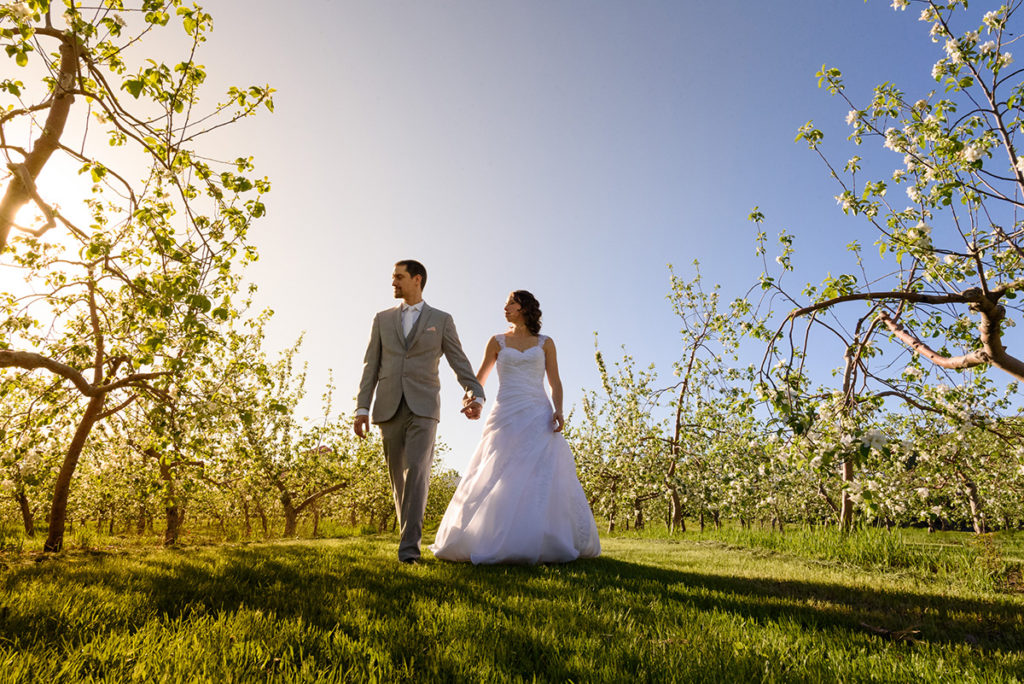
{"x":573,"y":148}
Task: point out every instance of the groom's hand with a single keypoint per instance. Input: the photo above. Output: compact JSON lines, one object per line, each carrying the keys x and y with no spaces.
{"x":472,"y":410}
{"x":361,"y":425}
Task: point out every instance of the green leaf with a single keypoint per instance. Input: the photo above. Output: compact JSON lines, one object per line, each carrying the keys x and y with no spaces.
{"x":134,"y":86}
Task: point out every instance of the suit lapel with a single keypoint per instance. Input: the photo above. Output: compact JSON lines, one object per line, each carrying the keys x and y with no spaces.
{"x":397,"y":313}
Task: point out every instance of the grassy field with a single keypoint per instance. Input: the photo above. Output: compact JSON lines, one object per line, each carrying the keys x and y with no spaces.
{"x":739,"y":606}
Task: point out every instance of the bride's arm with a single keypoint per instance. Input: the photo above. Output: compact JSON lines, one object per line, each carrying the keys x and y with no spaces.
{"x":551,"y":367}
{"x":490,"y":356}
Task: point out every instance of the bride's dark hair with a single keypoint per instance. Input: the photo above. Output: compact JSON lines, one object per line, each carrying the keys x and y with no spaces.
{"x":530,"y":309}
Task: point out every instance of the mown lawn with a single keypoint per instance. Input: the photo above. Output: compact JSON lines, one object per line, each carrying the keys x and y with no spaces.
{"x":344,"y":610}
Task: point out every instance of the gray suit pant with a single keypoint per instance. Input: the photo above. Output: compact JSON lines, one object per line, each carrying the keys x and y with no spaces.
{"x":409,"y":453}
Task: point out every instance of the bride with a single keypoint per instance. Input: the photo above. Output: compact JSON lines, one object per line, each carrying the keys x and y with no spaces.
{"x":520,"y":500}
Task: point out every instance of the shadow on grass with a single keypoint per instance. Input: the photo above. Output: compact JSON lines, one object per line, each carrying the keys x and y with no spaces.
{"x":355,"y":585}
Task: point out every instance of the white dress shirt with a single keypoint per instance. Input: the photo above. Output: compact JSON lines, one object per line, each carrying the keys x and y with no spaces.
{"x":410,"y":314}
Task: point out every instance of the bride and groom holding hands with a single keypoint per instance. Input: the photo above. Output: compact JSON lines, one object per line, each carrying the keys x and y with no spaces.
{"x":520,"y":500}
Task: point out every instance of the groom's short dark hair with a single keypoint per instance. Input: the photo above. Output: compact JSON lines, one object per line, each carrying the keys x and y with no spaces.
{"x":415,"y":268}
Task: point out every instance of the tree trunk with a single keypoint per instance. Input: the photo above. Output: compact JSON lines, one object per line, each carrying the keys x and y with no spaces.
{"x":26,"y":513}
{"x":248,"y":519}
{"x":702,"y":518}
{"x":140,"y":523}
{"x":263,"y":518}
{"x":846,"y":505}
{"x":173,"y":520}
{"x":172,"y":515}
{"x":62,"y":489}
{"x":977,"y":514}
{"x":638,"y":517}
{"x":676,"y":511}
{"x":291,"y":513}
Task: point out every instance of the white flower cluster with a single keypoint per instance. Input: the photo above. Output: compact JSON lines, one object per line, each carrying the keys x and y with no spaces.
{"x":21,"y":12}
{"x":992,"y":20}
{"x":900,"y":4}
{"x":971,"y":154}
{"x":912,"y":373}
{"x":892,"y":140}
{"x":874,"y":439}
{"x":953,"y":51}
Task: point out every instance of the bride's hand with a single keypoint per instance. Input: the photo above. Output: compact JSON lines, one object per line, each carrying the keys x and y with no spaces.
{"x":559,"y":421}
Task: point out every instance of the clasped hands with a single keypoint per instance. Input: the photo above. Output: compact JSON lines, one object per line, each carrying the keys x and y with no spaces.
{"x":471,"y":407}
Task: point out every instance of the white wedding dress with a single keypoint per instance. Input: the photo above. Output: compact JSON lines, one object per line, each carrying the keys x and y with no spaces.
{"x":520,"y":500}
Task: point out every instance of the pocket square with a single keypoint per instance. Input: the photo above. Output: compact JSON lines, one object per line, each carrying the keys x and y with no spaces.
{"x":431,"y":329}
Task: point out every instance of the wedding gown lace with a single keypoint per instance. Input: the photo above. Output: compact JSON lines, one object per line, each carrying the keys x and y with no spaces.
{"x":520,"y":500}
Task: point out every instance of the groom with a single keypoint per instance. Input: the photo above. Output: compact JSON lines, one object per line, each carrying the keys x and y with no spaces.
{"x":406,"y":344}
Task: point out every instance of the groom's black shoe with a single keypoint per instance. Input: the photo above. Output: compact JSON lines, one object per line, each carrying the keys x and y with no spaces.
{"x":411,"y":561}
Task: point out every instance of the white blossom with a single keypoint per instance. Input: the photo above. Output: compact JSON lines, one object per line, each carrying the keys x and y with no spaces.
{"x":852,"y":116}
{"x":1020,"y":164}
{"x":6,"y":484}
{"x":900,"y":4}
{"x":936,"y":510}
{"x":928,"y":14}
{"x":987,"y":47}
{"x":922,"y":492}
{"x":949,"y":259}
{"x":21,"y":11}
{"x":119,"y":20}
{"x":912,"y":372}
{"x":1021,"y":469}
{"x":1005,"y":59}
{"x":991,"y":20}
{"x":873,"y":439}
{"x":938,"y":69}
{"x":971,"y":154}
{"x":892,"y":140}
{"x":953,"y":51}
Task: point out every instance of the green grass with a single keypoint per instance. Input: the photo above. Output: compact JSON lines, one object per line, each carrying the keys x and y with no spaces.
{"x":696,"y":609}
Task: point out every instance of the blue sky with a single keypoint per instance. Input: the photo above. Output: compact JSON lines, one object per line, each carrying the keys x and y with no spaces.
{"x":572,"y":148}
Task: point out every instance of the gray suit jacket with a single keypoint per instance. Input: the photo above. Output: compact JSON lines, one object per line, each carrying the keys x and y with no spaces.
{"x":395,"y":368}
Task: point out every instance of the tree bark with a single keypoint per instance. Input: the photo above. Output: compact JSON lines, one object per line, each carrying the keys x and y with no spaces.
{"x":974,"y":500}
{"x":26,"y":513}
{"x":846,"y":504}
{"x":18,"y":193}
{"x":61,"y":490}
{"x":676,"y":510}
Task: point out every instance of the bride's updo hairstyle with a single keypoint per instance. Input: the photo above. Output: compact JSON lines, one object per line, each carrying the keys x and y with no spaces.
{"x":530,"y":309}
